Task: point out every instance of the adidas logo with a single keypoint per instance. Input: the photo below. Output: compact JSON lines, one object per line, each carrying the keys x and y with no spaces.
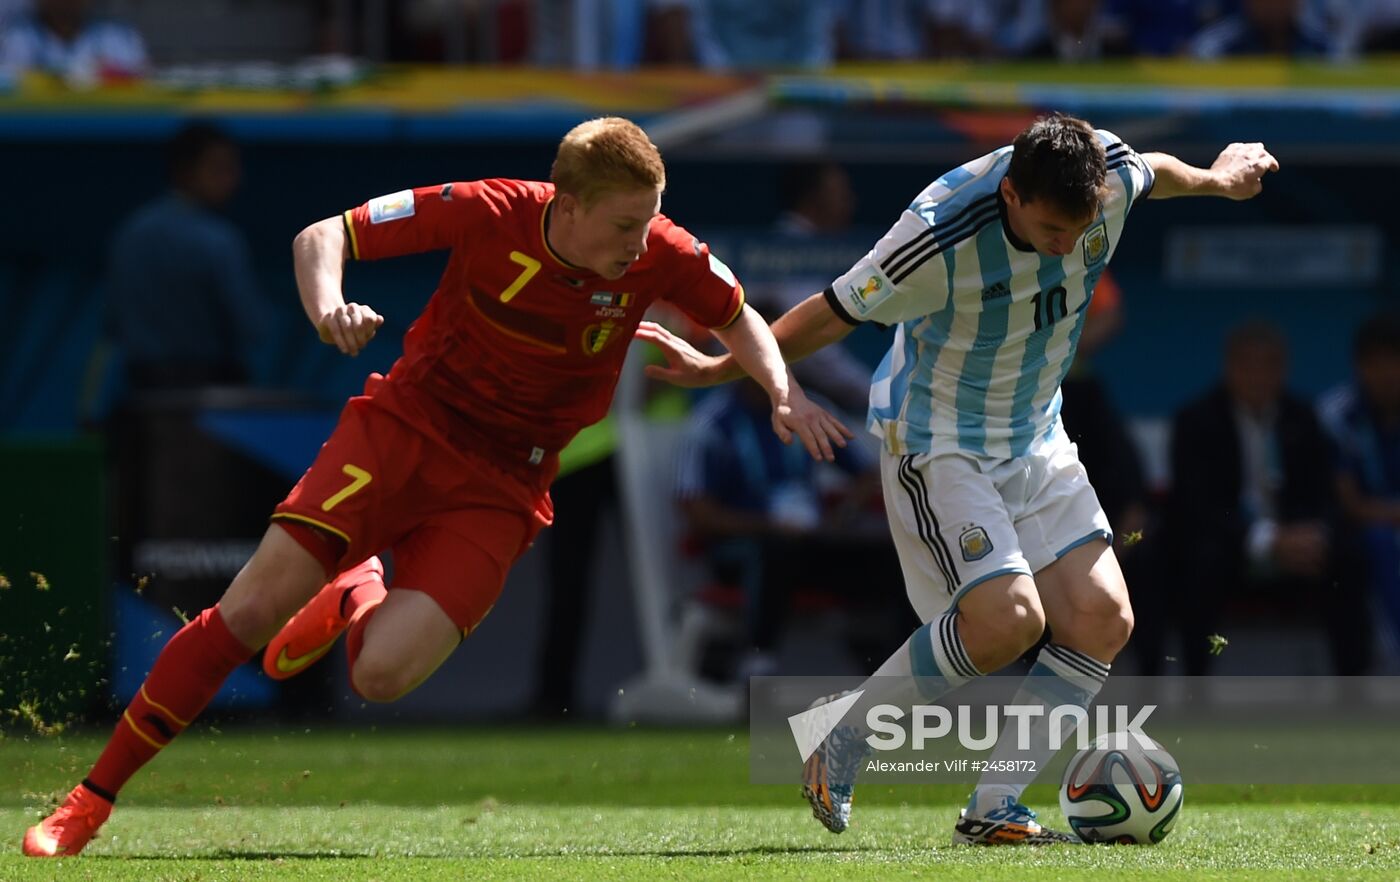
{"x":992,"y":292}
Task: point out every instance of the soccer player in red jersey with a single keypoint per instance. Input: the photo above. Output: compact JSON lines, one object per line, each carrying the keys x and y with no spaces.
{"x":447,"y":460}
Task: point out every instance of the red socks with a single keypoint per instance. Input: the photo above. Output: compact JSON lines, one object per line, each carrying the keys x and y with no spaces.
{"x":186,"y":677}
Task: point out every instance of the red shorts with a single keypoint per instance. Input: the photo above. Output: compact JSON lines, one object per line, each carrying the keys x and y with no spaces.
{"x":454,"y":522}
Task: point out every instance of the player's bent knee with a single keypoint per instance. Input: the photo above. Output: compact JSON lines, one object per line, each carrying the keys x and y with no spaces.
{"x":1118,"y":628}
{"x":1102,"y":630}
{"x":1019,"y":618}
{"x":252,"y":622}
{"x":1004,"y":621}
{"x":379,"y":683}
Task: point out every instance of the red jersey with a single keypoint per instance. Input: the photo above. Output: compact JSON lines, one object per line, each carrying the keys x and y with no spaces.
{"x":517,"y":346}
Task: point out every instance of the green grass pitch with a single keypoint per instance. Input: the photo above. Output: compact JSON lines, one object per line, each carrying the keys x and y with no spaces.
{"x":580,"y":803}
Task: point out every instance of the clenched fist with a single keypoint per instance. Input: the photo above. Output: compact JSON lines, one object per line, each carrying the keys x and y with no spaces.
{"x":350,"y":327}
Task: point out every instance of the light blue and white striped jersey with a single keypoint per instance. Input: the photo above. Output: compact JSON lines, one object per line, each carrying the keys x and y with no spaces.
{"x":985,"y":331}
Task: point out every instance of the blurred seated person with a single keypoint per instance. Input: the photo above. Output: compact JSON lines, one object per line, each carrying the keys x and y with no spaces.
{"x":741,"y":35}
{"x":1365,"y":422}
{"x":756,"y":509}
{"x":1252,"y":508}
{"x":183,"y":308}
{"x":62,"y":38}
{"x":1363,"y":26}
{"x":818,"y":202}
{"x":1092,"y":422}
{"x":983,"y":28}
{"x":1162,"y":27}
{"x":880,"y":30}
{"x":1264,"y":27}
{"x":1077,"y":31}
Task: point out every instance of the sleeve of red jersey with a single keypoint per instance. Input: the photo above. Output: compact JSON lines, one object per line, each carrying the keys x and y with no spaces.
{"x":422,"y":219}
{"x":706,"y":290}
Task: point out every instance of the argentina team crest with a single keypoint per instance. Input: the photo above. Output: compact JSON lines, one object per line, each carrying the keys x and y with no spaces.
{"x":976,"y":544}
{"x":1096,"y":244}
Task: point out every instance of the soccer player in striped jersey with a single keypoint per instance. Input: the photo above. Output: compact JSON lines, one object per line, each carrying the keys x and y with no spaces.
{"x":986,"y":278}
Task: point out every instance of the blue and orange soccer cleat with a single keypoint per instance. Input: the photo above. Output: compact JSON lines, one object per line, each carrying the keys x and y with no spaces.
{"x":72,"y":825}
{"x":1008,"y":824}
{"x":312,"y":632}
{"x":829,"y":775}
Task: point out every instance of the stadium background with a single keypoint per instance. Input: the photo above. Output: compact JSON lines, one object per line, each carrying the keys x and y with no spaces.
{"x":319,"y":135}
{"x":83,"y":158}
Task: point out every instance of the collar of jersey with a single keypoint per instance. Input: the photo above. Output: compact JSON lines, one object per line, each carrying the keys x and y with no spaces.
{"x":554,"y":255}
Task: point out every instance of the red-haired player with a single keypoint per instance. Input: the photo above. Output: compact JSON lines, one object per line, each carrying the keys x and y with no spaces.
{"x":447,"y":460}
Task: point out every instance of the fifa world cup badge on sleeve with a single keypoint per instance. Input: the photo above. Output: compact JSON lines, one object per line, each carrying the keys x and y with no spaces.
{"x":391,"y":207}
{"x":719,"y":268}
{"x":867,"y":289}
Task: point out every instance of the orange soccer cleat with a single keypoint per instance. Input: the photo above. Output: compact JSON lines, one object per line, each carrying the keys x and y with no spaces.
{"x":70,"y":827}
{"x":312,"y":632}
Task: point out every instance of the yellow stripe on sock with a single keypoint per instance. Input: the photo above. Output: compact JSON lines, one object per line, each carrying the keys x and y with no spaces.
{"x":162,"y":708}
{"x":126,"y":715}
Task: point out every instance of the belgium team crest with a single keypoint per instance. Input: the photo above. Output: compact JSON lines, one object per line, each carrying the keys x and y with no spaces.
{"x":597,"y":337}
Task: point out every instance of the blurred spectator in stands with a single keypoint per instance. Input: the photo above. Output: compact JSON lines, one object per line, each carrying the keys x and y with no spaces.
{"x":183,"y":307}
{"x":1078,"y":30}
{"x":62,"y":38}
{"x":1361,"y":25}
{"x":11,"y":9}
{"x":1364,"y":419}
{"x":743,"y":35}
{"x":1162,"y":27}
{"x":1264,"y":27}
{"x":588,"y":34}
{"x":450,"y":31}
{"x":983,"y":28}
{"x":818,"y":202}
{"x":880,"y":30}
{"x":755,"y":507}
{"x":1253,"y":506}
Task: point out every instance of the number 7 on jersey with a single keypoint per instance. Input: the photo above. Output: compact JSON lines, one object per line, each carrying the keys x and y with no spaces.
{"x":531,"y":266}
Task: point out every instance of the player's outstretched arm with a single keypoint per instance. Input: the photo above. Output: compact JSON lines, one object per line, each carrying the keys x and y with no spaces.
{"x":750,"y":342}
{"x":802,"y":330}
{"x":1237,"y":173}
{"x":319,"y":253}
{"x":753,"y":349}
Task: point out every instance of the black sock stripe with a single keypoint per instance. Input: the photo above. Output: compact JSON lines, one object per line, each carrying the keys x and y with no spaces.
{"x":1076,"y":663}
{"x":1066,"y":652}
{"x":925,"y":532}
{"x":918,"y":477}
{"x":1073,"y":659}
{"x":102,"y":792}
{"x":952,"y":646}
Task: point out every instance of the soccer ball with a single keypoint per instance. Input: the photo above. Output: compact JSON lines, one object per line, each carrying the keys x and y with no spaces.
{"x":1116,"y":791}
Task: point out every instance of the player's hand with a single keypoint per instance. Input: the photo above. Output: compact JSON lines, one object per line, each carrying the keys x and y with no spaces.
{"x":814,"y":427}
{"x":1240,"y":168}
{"x":685,"y":365}
{"x":349,"y":328}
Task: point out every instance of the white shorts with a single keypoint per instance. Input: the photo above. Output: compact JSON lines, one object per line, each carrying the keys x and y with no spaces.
{"x":960,"y":519}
